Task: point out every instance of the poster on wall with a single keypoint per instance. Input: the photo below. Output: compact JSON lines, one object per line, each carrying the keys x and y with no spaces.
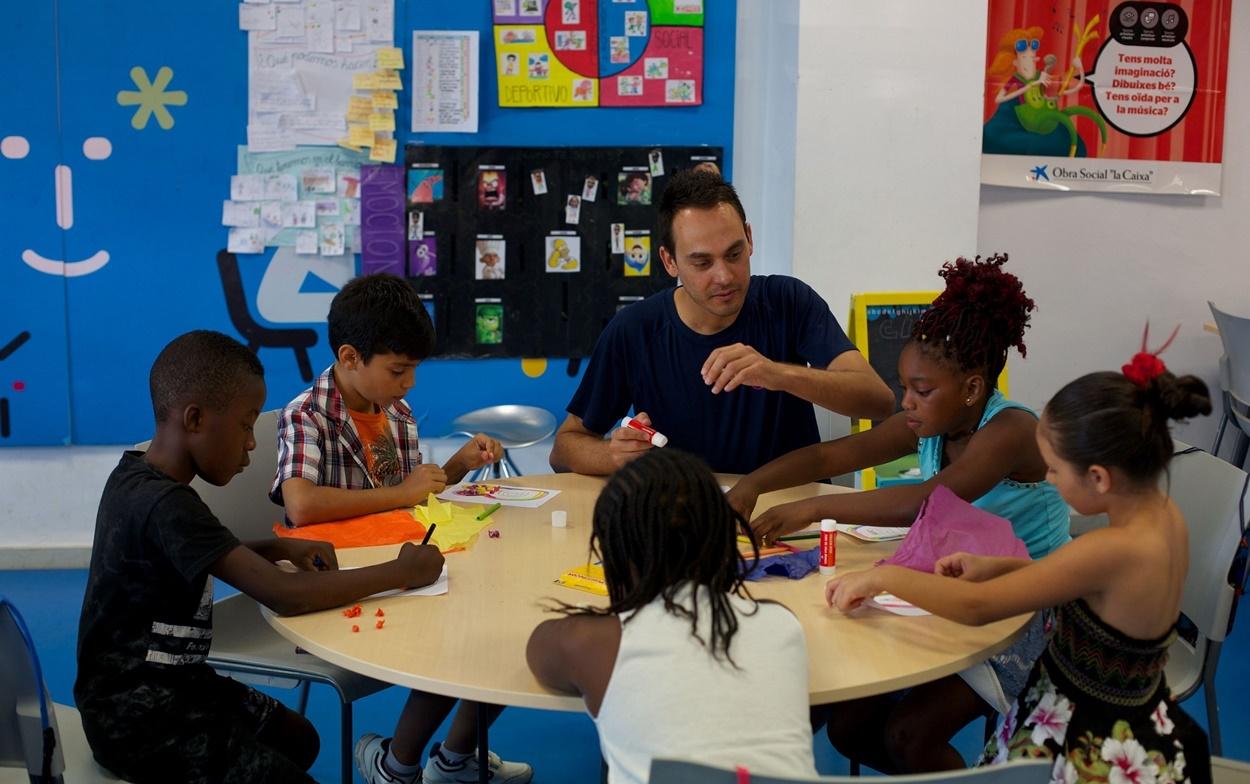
{"x":588,"y":53}
{"x":444,"y":81}
{"x":1103,"y":95}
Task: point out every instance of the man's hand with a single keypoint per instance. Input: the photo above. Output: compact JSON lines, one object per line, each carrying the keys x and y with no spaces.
{"x":729,"y":367}
{"x":628,"y":444}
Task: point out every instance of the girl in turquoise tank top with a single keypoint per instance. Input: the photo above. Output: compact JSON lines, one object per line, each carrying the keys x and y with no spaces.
{"x":973,"y":441}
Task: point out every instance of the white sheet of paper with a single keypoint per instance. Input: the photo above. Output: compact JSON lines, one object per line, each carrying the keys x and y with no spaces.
{"x":257,"y":17}
{"x":436,"y":588}
{"x":247,"y":187}
{"x":268,"y":138}
{"x":306,"y":242}
{"x":246,"y":241}
{"x":445,"y":66}
{"x":347,"y":16}
{"x":528,"y":497}
{"x":240,"y":214}
{"x":873,"y":533}
{"x":892,"y":604}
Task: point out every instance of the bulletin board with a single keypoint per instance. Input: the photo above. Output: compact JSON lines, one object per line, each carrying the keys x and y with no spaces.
{"x":881,"y":325}
{"x":530,"y":251}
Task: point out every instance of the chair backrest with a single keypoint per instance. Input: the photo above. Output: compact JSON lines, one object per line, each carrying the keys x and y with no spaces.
{"x":243,"y":505}
{"x":25,"y":707}
{"x":236,"y":297}
{"x":1211,"y":494}
{"x":1018,"y":772}
{"x":1235,"y":335}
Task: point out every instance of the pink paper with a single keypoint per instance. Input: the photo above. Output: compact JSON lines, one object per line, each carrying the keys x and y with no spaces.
{"x":948,"y":524}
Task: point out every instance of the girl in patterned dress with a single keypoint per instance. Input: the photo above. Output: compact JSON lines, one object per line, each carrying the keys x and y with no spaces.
{"x":1097,"y":701}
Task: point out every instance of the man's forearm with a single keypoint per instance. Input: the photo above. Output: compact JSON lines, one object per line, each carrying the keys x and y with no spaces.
{"x":848,"y":392}
{"x":583,"y":453}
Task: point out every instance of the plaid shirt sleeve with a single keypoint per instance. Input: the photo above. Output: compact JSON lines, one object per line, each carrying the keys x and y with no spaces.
{"x":300,"y":444}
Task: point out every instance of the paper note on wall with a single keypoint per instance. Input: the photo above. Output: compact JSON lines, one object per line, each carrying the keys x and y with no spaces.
{"x":445,"y":78}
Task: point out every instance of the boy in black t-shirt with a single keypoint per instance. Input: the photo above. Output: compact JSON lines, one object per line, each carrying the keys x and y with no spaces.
{"x":152,"y":709}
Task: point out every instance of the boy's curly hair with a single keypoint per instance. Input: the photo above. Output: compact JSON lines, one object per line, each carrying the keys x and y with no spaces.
{"x":981,"y":314}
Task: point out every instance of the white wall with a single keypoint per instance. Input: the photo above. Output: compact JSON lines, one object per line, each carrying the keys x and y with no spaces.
{"x":765,"y":117}
{"x":889,"y":141}
{"x":1100,"y":265}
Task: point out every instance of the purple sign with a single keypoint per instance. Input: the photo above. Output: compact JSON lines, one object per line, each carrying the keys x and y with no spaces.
{"x":382,"y":235}
{"x":524,"y":12}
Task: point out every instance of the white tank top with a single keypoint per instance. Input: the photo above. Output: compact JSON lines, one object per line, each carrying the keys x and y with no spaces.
{"x":669,"y":698}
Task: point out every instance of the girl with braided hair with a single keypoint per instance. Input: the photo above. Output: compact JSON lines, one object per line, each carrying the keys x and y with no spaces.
{"x":972,"y":440}
{"x":682,"y":662}
{"x":1097,"y":701}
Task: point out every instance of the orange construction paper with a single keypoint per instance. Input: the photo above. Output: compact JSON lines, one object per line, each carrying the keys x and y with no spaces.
{"x":393,"y":527}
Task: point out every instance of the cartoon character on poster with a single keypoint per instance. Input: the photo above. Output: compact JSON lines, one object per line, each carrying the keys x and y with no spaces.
{"x":489,"y":323}
{"x":564,"y":254}
{"x":638,"y":257}
{"x":1028,"y":120}
{"x":634,"y":187}
{"x":491,"y":189}
{"x":538,"y":180}
{"x":423,"y":257}
{"x":490,"y":259}
{"x":425,"y":186}
{"x":539,"y":66}
{"x":510,"y":64}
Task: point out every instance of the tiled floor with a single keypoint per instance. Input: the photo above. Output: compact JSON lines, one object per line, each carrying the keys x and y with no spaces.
{"x":562,"y":747}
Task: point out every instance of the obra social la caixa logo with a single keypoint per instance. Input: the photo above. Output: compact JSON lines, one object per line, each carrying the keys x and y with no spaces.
{"x":1124,"y":174}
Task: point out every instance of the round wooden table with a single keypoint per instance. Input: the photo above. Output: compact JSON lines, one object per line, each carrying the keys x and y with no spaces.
{"x":470,"y":643}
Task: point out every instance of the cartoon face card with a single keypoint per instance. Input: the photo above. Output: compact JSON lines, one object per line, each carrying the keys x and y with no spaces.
{"x":492,"y":187}
{"x":564,"y":252}
{"x":490,"y":257}
{"x":488,"y":313}
{"x":423,"y":256}
{"x":637,"y":255}
{"x":634,"y":186}
{"x":425,"y":183}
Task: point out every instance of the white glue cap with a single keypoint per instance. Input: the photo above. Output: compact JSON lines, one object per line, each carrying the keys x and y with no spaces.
{"x":828,"y":524}
{"x":559,"y":519}
{"x":658,"y":439}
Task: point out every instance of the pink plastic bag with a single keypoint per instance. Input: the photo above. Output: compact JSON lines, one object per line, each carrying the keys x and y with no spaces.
{"x":948,"y":524}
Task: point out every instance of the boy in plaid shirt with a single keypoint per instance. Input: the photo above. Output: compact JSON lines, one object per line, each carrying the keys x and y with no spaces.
{"x":348,"y":447}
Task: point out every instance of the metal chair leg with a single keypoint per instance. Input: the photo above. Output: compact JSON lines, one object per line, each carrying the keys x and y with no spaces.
{"x":1208,"y":694}
{"x":1219,"y":435}
{"x":854,"y":767}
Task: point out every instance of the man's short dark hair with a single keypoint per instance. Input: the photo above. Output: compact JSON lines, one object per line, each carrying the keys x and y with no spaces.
{"x":381,"y":314}
{"x":202,"y":367}
{"x":695,"y":188}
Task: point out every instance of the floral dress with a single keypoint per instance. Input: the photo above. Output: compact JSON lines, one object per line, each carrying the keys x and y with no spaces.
{"x":1097,"y":703}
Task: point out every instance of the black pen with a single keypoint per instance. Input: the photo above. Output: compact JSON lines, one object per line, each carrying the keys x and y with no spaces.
{"x":428,"y":533}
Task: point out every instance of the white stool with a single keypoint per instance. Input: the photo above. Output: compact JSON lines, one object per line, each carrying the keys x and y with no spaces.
{"x":516,"y":427}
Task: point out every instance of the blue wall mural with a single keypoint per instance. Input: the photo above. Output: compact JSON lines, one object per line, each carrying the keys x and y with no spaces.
{"x":112,"y":220}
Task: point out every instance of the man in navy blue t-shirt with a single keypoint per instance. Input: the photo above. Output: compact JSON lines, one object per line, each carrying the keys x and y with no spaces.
{"x":726,"y":365}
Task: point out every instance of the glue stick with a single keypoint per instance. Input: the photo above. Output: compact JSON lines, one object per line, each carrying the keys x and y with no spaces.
{"x":657,"y":439}
{"x":828,"y":546}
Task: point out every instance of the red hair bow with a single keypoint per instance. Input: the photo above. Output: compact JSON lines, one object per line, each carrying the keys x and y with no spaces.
{"x":1146,"y":365}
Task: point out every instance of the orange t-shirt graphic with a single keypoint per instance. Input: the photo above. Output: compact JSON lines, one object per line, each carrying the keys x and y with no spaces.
{"x":381,"y":454}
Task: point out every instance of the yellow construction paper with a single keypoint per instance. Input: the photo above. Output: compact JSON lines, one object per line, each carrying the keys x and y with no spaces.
{"x":384,"y":99}
{"x":391,"y":57}
{"x":588,"y":578}
{"x":382,"y":121}
{"x":457,"y":526}
{"x":360,"y":135}
{"x":359,"y":108}
{"x":383,"y":149}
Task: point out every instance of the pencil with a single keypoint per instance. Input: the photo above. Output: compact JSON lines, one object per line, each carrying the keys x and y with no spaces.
{"x":428,"y":533}
{"x":797,"y":537}
{"x":490,"y":510}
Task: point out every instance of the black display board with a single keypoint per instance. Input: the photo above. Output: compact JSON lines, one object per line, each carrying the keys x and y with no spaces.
{"x":523,"y":301}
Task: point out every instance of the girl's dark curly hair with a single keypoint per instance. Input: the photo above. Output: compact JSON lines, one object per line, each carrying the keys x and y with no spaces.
{"x":981,"y":314}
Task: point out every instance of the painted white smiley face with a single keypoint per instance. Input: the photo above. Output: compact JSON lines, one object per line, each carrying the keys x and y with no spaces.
{"x":96,"y":148}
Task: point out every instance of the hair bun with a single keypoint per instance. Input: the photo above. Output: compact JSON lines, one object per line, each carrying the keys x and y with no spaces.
{"x":1182,"y":397}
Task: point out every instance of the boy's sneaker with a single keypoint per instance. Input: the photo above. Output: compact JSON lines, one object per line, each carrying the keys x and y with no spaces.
{"x":439,"y":770}
{"x":369,"y":753}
